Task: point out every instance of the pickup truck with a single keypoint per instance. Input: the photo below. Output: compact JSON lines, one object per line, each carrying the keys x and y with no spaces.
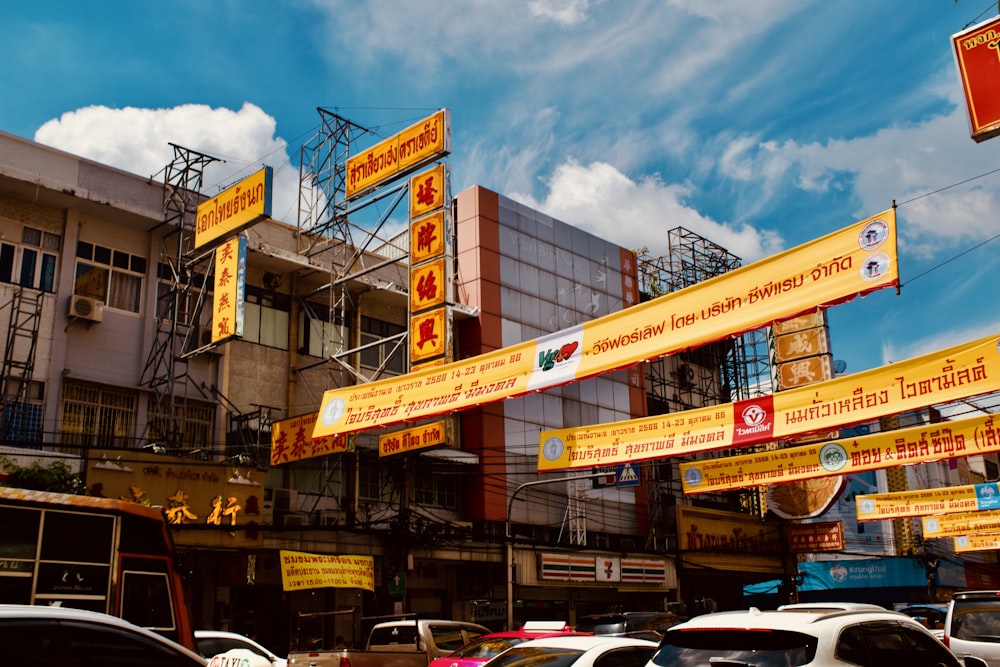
{"x":403,"y":643}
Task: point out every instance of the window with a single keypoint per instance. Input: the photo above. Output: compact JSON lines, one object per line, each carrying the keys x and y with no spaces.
{"x":372,"y":485}
{"x":97,"y":415}
{"x":111,"y":276}
{"x":33,"y":263}
{"x":21,"y":421}
{"x":265,"y":318}
{"x":318,"y":336}
{"x":195,"y":421}
{"x":389,"y":352}
{"x":436,"y":491}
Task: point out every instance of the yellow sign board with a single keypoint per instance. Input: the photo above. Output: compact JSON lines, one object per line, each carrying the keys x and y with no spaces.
{"x":988,"y":542}
{"x":230,"y":280}
{"x":303,"y":571}
{"x":840,"y":266}
{"x":427,"y":285}
{"x":967,"y":523}
{"x":429,"y":336}
{"x":242,"y":205}
{"x":291,"y":441}
{"x":417,"y":145}
{"x":412,"y":439}
{"x":428,"y":191}
{"x":952,"y":374}
{"x":923,"y":502}
{"x":917,"y":444}
{"x":427,"y":238}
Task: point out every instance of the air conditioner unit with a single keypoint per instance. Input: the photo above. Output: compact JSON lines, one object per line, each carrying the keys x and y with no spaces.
{"x":329,"y":518}
{"x":85,"y":308}
{"x":285,"y":500}
{"x":295,"y":520}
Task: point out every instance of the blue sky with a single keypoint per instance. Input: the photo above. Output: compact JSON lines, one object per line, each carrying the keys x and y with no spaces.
{"x":759,"y":125}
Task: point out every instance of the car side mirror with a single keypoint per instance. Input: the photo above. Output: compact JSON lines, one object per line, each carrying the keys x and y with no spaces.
{"x":973,"y":661}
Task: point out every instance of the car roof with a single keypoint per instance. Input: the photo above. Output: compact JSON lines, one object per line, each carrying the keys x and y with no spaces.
{"x":864,"y":606}
{"x":798,"y":620}
{"x":65,"y":614}
{"x":583,"y":642}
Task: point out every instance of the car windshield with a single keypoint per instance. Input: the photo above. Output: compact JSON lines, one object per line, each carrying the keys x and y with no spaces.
{"x":536,"y":656}
{"x":976,"y":620}
{"x":602,"y":625}
{"x":486,"y":647}
{"x":727,"y":647}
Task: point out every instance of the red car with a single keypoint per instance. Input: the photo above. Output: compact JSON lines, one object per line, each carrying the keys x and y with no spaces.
{"x":475,"y":653}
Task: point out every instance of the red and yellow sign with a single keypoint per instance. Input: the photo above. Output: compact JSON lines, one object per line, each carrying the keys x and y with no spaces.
{"x":427,"y":238}
{"x":428,"y":191}
{"x":230,"y":287}
{"x":290,"y":440}
{"x":802,"y":343}
{"x":838,"y":267}
{"x":979,"y":67}
{"x":417,"y":145}
{"x":242,"y":205}
{"x":918,"y":444}
{"x":801,"y":372}
{"x":920,"y":502}
{"x":302,"y":571}
{"x":429,"y":337}
{"x":427,"y":286}
{"x":811,"y":537}
{"x":412,"y":439}
{"x":967,"y":523}
{"x":728,"y":540}
{"x":800,"y":323}
{"x":952,"y":374}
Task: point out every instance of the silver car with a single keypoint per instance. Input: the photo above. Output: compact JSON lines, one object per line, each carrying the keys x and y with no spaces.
{"x":972,"y":625}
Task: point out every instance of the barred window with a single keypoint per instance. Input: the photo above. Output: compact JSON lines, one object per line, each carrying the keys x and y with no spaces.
{"x":436,"y":491}
{"x":111,"y":276}
{"x":29,"y":264}
{"x":95,"y":415}
{"x":21,"y":421}
{"x":194,"y":421}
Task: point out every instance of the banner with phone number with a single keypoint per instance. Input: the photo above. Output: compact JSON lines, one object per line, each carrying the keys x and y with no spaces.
{"x":956,"y":373}
{"x":838,"y":267}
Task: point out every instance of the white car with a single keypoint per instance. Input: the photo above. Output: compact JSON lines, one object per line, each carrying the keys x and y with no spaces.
{"x":972,"y":625}
{"x":797,"y":637}
{"x":43,"y":636}
{"x":577,"y":651}
{"x":219,"y":643}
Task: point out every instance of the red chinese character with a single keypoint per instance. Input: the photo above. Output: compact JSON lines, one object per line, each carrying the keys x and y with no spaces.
{"x":426,"y":331}
{"x":426,"y":191}
{"x":224,"y":327}
{"x":227,"y":253}
{"x":224,"y":277}
{"x":280,"y":450}
{"x":427,"y":287}
{"x":426,"y":236}
{"x":223,"y":302}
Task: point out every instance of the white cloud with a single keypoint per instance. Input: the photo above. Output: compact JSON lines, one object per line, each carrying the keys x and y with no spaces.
{"x":634,"y":214}
{"x":138,"y":140}
{"x":565,"y":12}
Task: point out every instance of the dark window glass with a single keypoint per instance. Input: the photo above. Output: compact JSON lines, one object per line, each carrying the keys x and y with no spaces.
{"x":119,"y":259}
{"x":28,"y":259}
{"x":77,"y":538}
{"x":138,"y":264}
{"x":102,"y":254}
{"x":6,"y":262}
{"x":47,"y":279}
{"x":85,"y":250}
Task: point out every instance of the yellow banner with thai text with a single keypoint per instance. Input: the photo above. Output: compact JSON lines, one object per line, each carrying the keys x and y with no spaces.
{"x":923,"y":502}
{"x":966,"y":523}
{"x":412,"y":439}
{"x":918,"y":444}
{"x":417,"y":145}
{"x":303,"y":571}
{"x":242,"y":205}
{"x":988,"y":542}
{"x":835,"y":268}
{"x":952,"y":374}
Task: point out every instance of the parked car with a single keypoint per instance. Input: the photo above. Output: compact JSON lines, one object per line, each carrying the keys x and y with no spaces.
{"x":972,"y":625}
{"x":929,"y":615}
{"x":478,"y":651}
{"x":43,"y":636}
{"x":217,"y":642}
{"x":639,"y":624}
{"x":577,"y":651}
{"x":796,"y":637}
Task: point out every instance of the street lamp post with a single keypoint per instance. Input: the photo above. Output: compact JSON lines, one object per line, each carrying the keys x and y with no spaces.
{"x":510,"y":537}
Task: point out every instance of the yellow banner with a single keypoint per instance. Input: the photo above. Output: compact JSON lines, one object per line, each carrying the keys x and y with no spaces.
{"x":291,"y":441}
{"x":412,"y":439}
{"x":935,"y":442}
{"x":242,"y":205}
{"x":922,"y":502}
{"x":302,"y":571}
{"x":428,"y":191}
{"x":230,"y":284}
{"x":416,"y":145}
{"x":835,"y":268}
{"x":952,"y":374}
{"x":968,"y":523}
{"x":988,"y":542}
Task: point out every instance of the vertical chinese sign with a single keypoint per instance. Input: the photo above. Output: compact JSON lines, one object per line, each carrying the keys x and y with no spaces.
{"x":977,"y":54}
{"x":229,"y":290}
{"x":430,"y":268}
